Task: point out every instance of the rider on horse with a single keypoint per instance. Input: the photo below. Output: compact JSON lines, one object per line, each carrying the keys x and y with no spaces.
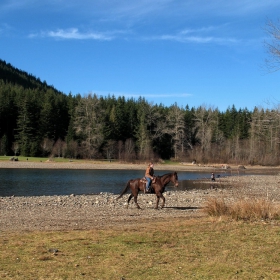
{"x":149,"y":175}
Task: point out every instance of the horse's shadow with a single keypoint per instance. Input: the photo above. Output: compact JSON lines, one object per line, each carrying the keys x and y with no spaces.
{"x":183,"y":208}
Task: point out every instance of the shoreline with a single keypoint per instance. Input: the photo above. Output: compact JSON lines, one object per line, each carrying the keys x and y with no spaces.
{"x":101,"y":211}
{"x":133,"y":166}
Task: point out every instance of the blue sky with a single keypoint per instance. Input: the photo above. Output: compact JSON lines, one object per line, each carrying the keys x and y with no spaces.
{"x":198,"y":52}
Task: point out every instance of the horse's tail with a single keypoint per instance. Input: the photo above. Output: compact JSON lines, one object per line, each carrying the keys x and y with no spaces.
{"x":125,"y":189}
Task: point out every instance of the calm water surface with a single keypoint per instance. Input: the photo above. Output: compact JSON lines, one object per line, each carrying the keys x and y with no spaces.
{"x":35,"y":182}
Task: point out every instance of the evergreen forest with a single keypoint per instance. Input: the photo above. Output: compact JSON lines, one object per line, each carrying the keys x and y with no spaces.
{"x":38,"y":120}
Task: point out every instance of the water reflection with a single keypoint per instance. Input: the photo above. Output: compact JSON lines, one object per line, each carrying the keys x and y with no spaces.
{"x":199,"y":185}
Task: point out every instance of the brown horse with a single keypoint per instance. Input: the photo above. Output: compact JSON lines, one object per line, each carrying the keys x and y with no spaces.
{"x":157,"y":187}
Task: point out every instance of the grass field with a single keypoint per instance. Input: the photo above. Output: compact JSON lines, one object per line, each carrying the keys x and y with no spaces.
{"x":34,"y":159}
{"x":205,"y":248}
{"x":61,"y":159}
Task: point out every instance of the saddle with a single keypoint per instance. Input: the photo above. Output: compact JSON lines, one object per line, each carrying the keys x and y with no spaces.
{"x":144,"y":180}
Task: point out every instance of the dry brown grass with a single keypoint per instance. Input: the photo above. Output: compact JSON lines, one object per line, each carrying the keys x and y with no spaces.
{"x":176,"y":249}
{"x":242,"y":209}
{"x":215,"y":207}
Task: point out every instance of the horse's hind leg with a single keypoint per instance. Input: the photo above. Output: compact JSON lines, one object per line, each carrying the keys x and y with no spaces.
{"x":129,"y":200}
{"x":135,"y":200}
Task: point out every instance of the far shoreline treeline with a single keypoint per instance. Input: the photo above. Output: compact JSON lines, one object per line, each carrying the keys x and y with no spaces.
{"x":38,"y":120}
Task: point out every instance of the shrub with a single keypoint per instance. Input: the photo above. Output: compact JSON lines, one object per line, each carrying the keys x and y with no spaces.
{"x":216,"y":207}
{"x":255,"y":209}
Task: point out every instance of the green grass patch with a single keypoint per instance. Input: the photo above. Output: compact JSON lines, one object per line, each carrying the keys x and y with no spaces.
{"x":40,"y":159}
{"x":170,"y":162}
{"x":61,"y":159}
{"x":32,"y":159}
{"x":177,"y":249}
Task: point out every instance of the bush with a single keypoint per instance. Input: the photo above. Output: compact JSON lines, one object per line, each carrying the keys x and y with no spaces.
{"x":216,"y":207}
{"x":255,"y":209}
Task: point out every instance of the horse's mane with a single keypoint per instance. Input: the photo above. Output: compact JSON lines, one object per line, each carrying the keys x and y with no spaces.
{"x":164,"y":176}
{"x":167,"y":174}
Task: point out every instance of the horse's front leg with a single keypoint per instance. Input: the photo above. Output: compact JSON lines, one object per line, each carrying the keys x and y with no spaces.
{"x":163,"y":200}
{"x":159,"y":195}
{"x":157,"y":201}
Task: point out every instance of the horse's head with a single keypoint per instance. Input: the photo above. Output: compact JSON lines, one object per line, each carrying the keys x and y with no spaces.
{"x":174,"y":179}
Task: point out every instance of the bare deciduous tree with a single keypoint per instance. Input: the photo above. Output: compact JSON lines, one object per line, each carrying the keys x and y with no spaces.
{"x":129,"y":147}
{"x":204,"y":119}
{"x":111,"y":149}
{"x":89,"y":124}
{"x":151,"y":127}
{"x":47,"y":145}
{"x":120,"y":150}
{"x":175,"y":128}
{"x":273,"y":46}
{"x":59,"y":148}
{"x":143,"y":137}
{"x":15,"y":148}
{"x":72,"y":148}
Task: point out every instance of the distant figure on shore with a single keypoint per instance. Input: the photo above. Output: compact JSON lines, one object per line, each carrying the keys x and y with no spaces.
{"x":212,"y":177}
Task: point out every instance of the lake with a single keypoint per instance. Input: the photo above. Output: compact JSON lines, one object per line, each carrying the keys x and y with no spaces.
{"x":37,"y":182}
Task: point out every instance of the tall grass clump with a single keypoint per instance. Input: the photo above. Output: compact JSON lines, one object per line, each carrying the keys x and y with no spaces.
{"x":216,"y":207}
{"x":251,"y":210}
{"x":254,"y":209}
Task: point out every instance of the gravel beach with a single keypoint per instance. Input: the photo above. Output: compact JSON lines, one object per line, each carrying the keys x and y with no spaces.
{"x":84,"y":212}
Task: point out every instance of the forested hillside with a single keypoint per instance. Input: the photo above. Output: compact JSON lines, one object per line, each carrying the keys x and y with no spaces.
{"x":38,"y":120}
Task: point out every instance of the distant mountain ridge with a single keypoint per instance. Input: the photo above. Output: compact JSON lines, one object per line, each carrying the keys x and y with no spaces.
{"x":12,"y":75}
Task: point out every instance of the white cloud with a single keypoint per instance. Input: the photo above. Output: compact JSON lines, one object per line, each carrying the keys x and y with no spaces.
{"x":74,"y":33}
{"x":198,"y":30}
{"x":198,"y":39}
{"x":201,"y":35}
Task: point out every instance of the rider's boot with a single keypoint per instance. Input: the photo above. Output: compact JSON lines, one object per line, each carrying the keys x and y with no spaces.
{"x":146,"y":189}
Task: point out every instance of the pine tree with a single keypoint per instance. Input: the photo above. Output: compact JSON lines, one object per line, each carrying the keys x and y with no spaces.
{"x":24,"y":128}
